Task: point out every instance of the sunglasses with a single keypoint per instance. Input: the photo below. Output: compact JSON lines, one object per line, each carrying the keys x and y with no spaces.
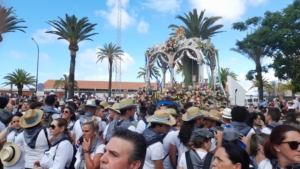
{"x":52,"y":126}
{"x":65,"y":111}
{"x":293,"y":144}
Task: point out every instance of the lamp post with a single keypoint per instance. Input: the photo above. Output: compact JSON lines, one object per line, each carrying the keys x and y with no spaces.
{"x":37,"y":65}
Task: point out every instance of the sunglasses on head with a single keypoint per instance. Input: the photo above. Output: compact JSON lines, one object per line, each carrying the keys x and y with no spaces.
{"x":52,"y":126}
{"x":293,"y":144}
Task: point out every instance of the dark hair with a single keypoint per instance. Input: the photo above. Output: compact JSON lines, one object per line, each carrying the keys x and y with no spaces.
{"x":153,"y":125}
{"x":151,"y":109}
{"x":143,"y":110}
{"x":250,"y":118}
{"x":276,"y":137}
{"x":17,"y":115}
{"x":291,"y":117}
{"x":239,"y":114}
{"x":172,"y":106}
{"x":262,"y":117}
{"x":63,"y":123}
{"x":73,"y":105}
{"x":187,"y":105}
{"x":123,"y":111}
{"x":185,"y":132}
{"x":198,"y":142}
{"x":274,"y":113}
{"x":236,"y":154}
{"x":3,"y":102}
{"x":50,"y":100}
{"x":256,"y":140}
{"x":34,"y":105}
{"x":73,"y":117}
{"x":89,"y":108}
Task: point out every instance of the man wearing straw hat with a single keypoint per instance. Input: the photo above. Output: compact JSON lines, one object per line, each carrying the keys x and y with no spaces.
{"x":113,"y":113}
{"x":161,"y":123}
{"x":127,"y":111}
{"x":142,"y":124}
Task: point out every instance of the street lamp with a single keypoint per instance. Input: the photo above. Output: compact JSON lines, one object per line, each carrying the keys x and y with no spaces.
{"x":37,"y":65}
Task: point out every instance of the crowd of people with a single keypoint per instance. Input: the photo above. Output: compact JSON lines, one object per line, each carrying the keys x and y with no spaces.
{"x":91,"y":134}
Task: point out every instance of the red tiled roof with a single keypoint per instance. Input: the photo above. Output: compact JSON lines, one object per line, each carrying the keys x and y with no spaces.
{"x":82,"y":84}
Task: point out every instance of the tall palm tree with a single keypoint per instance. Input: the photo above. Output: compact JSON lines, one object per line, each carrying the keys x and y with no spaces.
{"x":64,"y":84}
{"x":179,"y":70}
{"x":265,"y":83}
{"x":154,"y":69}
{"x":9,"y":21}
{"x":19,"y":78}
{"x":196,"y":25}
{"x":224,"y":73}
{"x":257,"y":56}
{"x":112,"y":52}
{"x":74,"y":31}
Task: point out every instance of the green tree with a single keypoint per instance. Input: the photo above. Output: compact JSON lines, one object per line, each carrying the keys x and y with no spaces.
{"x":179,"y":70}
{"x":19,"y":78}
{"x":154,"y":69}
{"x":74,"y":31}
{"x":9,"y":21}
{"x":266,"y":84}
{"x":196,"y":25}
{"x":64,"y":84}
{"x":227,"y":72}
{"x":112,"y":53}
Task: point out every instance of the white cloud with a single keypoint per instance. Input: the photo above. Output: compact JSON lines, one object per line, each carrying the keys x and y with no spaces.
{"x":17,"y":54}
{"x":143,"y":27}
{"x":45,"y":57}
{"x":233,"y":59}
{"x":41,"y":37}
{"x":112,"y":14}
{"x":99,"y":71}
{"x":230,"y":11}
{"x":169,"y":6}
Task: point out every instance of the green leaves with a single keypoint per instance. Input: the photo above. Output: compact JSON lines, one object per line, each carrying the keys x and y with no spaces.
{"x":19,"y":78}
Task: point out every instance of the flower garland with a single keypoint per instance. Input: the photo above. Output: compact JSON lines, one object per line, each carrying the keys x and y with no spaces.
{"x":170,"y":45}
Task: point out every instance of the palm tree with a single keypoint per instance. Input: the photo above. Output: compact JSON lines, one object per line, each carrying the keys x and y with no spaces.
{"x":74,"y":31}
{"x":224,"y":73}
{"x":113,"y":53}
{"x":257,"y":56}
{"x":154,"y":69}
{"x":179,"y":70}
{"x":9,"y":21}
{"x":19,"y":78}
{"x":265,"y":83}
{"x":196,"y":26}
{"x":64,"y":84}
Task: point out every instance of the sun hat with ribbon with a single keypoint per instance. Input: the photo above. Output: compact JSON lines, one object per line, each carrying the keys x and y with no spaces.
{"x":126,"y":103}
{"x":104,"y":104}
{"x":10,"y":154}
{"x":91,"y":103}
{"x":214,"y":115}
{"x":193,"y":113}
{"x":162,"y":117}
{"x":226,"y":113}
{"x":115,"y":107}
{"x":31,"y":118}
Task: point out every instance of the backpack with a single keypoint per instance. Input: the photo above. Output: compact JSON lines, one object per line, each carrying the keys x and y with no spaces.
{"x":5,"y":117}
{"x":207,"y":161}
{"x":47,"y":119}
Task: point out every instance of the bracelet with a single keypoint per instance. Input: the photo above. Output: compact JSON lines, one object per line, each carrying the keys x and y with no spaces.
{"x":86,"y":150}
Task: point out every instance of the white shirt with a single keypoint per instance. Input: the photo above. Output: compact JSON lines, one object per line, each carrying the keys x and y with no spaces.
{"x":265,"y":164}
{"x":182,"y":161}
{"x":77,"y":129}
{"x":266,"y":130}
{"x":181,"y":149}
{"x":166,"y":145}
{"x":131,"y":128}
{"x":213,"y":144}
{"x":154,"y":152}
{"x":141,"y":126}
{"x":36,"y":154}
{"x":62,"y":154}
{"x":99,"y":149}
{"x":18,"y":139}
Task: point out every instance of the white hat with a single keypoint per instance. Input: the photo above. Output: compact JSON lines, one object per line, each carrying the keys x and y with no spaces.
{"x":226,"y":113}
{"x":10,"y":154}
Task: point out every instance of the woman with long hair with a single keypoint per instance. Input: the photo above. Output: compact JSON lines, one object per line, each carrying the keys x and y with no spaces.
{"x":255,"y":149}
{"x":69,"y":115}
{"x":60,"y":154}
{"x":91,"y":148}
{"x":282,"y":148}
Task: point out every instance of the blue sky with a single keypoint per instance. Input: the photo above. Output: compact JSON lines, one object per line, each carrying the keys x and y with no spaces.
{"x":145,"y":23}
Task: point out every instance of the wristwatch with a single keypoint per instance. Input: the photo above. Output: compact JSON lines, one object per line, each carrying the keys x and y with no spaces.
{"x":86,"y":150}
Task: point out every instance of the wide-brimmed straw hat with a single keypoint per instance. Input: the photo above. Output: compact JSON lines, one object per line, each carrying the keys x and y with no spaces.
{"x":126,"y":103}
{"x":214,"y":115}
{"x":31,"y":118}
{"x":10,"y":154}
{"x":192,"y":113}
{"x":162,"y":117}
{"x":226,"y":113}
{"x":172,"y":112}
{"x":115,"y":107}
{"x":91,"y":103}
{"x":104,"y":104}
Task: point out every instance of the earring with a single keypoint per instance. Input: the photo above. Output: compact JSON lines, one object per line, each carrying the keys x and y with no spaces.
{"x":278,"y":150}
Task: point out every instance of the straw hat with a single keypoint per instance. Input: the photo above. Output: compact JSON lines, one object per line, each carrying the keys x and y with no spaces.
{"x":91,"y":103}
{"x":215,"y":116}
{"x":162,"y":117}
{"x":10,"y":154}
{"x":126,"y":103}
{"x":226,"y":113}
{"x":172,"y":112}
{"x":115,"y":107}
{"x":104,"y":104}
{"x":31,"y":118}
{"x":192,"y":113}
